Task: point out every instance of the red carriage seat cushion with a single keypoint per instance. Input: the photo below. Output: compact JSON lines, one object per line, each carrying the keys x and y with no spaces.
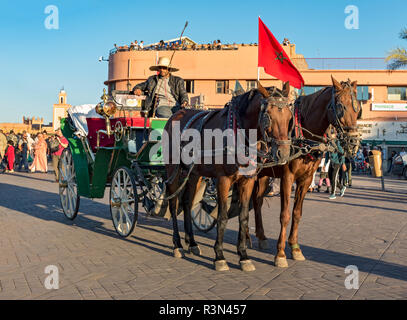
{"x":95,"y":124}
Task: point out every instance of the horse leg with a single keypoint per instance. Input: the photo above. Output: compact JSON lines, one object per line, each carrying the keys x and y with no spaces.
{"x":300,"y":193}
{"x":245,"y":191}
{"x":248,"y":238}
{"x":223,"y":187}
{"x":258,"y":197}
{"x":285,"y":192}
{"x":191,"y":188}
{"x":173,"y":203}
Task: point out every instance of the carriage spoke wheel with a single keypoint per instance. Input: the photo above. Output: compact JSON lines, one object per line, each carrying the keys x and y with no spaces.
{"x":201,"y":217}
{"x":68,"y":189}
{"x":153,"y":197}
{"x":124,"y":201}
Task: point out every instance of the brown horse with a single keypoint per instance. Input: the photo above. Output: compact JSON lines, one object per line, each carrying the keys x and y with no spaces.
{"x":269,"y":114}
{"x":336,"y":105}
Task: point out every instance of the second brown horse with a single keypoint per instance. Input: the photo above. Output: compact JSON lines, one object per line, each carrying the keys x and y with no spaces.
{"x":336,"y":105}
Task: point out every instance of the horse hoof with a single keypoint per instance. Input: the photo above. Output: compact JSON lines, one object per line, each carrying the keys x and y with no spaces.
{"x":179,"y":253}
{"x":263,"y":244}
{"x":221,"y":265}
{"x":297,"y":255}
{"x":247,"y":265}
{"x":195,"y":250}
{"x":281,"y":262}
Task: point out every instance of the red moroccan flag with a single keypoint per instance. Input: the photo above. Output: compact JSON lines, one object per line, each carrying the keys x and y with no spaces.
{"x":274,"y":60}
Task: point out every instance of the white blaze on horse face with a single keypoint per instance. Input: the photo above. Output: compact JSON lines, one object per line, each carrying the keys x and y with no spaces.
{"x":51,"y":21}
{"x":191,"y":152}
{"x":352,"y":20}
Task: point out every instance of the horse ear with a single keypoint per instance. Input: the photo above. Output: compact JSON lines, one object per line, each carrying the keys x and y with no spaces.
{"x":263,"y":91}
{"x":286,"y":89}
{"x":354,"y":85}
{"x":336,"y":84}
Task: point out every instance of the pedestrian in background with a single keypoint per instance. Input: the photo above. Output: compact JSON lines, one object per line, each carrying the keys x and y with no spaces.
{"x":56,"y":155}
{"x":40,"y":162}
{"x":3,"y":144}
{"x":10,"y":154}
{"x":23,"y":146}
{"x":390,"y":161}
{"x":337,"y":161}
{"x":324,"y":165}
{"x":312,"y":186}
{"x":17,"y":151}
{"x":348,"y":172}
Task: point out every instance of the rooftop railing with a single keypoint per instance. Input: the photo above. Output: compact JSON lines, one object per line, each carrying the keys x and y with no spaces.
{"x":341,"y":63}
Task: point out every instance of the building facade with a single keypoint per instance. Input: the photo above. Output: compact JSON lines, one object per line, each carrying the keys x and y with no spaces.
{"x":211,"y":76}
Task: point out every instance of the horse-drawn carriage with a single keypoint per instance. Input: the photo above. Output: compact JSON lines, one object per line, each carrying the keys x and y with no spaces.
{"x":112,"y":144}
{"x":123,"y":150}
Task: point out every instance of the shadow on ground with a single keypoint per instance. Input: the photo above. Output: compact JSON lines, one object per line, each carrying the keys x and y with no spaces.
{"x":46,"y":206}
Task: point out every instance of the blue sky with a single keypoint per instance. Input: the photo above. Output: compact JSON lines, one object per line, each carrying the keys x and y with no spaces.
{"x":36,"y":62}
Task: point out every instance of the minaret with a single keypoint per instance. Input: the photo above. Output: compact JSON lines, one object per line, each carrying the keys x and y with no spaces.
{"x":62,"y":96}
{"x":60,"y":109}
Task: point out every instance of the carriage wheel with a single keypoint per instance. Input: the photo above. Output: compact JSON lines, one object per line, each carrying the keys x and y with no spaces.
{"x":68,"y":189}
{"x":201,"y":217}
{"x":124,"y":201}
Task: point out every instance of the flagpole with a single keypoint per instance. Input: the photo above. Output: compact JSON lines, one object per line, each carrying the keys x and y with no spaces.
{"x":258,"y":46}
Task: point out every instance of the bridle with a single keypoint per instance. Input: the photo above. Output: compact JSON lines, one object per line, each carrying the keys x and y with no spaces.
{"x":265,"y":122}
{"x":336,"y":110}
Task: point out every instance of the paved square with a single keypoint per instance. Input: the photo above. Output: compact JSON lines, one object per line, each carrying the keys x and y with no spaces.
{"x":366,"y":228}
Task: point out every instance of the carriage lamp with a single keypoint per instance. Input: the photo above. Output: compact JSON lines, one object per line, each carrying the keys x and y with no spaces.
{"x":106,"y":109}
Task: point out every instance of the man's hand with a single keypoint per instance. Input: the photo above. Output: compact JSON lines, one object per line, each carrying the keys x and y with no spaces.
{"x":138,"y":92}
{"x":184,"y":104}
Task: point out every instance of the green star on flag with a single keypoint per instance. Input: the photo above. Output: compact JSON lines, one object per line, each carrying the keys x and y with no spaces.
{"x":280,"y":57}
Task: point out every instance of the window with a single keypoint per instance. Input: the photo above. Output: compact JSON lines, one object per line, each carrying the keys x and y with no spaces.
{"x":396,"y":93}
{"x":62,"y":100}
{"x":111,"y":87}
{"x":306,"y":90}
{"x":222,"y":86}
{"x":190,"y":86}
{"x":363,"y":93}
{"x":251,"y":84}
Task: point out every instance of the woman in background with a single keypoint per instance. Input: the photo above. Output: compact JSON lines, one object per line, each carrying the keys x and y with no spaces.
{"x":40,"y":162}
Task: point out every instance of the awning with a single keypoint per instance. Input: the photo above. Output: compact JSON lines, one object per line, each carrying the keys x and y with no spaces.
{"x":386,"y":142}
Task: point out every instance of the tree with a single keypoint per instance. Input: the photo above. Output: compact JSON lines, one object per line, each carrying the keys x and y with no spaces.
{"x":398,"y":56}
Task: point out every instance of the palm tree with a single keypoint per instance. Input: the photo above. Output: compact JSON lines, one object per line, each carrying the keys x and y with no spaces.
{"x":398,"y":56}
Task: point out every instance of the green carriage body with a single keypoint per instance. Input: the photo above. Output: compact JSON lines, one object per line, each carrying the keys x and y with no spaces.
{"x":92,"y":176}
{"x":133,"y":161}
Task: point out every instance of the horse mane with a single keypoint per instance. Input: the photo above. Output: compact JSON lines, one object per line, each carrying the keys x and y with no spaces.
{"x":242,"y":101}
{"x":305,"y":103}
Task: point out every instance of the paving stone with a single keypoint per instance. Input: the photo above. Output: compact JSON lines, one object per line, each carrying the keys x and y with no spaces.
{"x":366,"y":228}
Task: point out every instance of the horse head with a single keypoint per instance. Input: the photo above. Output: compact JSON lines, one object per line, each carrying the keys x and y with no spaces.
{"x":275,"y":121}
{"x":344,"y":111}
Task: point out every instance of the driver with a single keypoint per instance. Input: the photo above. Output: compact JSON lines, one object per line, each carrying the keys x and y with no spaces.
{"x":164,"y":91}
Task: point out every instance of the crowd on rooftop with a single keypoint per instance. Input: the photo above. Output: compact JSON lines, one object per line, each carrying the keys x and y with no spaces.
{"x":175,"y":45}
